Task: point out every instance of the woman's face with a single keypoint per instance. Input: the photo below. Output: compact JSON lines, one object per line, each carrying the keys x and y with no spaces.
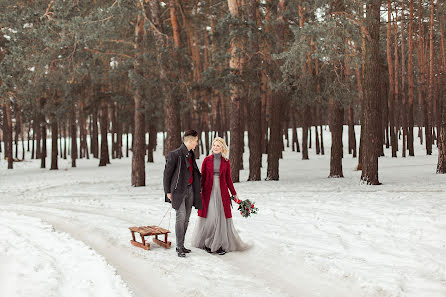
{"x":216,"y":147}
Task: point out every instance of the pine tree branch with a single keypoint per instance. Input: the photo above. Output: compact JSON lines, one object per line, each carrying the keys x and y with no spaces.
{"x":351,"y":18}
{"x":47,"y":13}
{"x":103,"y":20}
{"x":152,"y":25}
{"x":119,"y":41}
{"x":96,"y":51}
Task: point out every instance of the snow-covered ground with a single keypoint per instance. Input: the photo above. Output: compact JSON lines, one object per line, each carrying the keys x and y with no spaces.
{"x":65,"y":233}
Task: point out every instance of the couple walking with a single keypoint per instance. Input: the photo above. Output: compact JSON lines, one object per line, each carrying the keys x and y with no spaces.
{"x":208,"y":192}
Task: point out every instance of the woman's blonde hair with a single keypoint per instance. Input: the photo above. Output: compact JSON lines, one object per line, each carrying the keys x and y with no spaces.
{"x":224,"y":147}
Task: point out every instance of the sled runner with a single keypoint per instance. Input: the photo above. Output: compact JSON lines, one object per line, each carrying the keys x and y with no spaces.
{"x":149,"y":231}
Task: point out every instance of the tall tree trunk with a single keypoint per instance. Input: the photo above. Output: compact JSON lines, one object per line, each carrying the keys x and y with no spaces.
{"x":234,"y":155}
{"x":220,"y":123}
{"x":336,"y":127}
{"x":306,"y":109}
{"x":410,"y":120}
{"x":33,"y":140}
{"x":391,"y":95}
{"x":104,"y":158}
{"x":360,"y":80}
{"x":265,"y":110}
{"x":73,"y":128}
{"x":22,"y":137}
{"x":396,"y":102}
{"x":430,"y":98}
{"x":119,"y":135}
{"x":152,"y":142}
{"x":371,"y":96}
{"x":1,"y":134}
{"x":37,"y":130}
{"x":316,"y":132}
{"x":83,"y":132}
{"x":28,"y":137}
{"x":441,"y":164}
{"x":275,"y":142}
{"x":265,"y":113}
{"x":403,"y":86}
{"x":16,"y":132}
{"x":322,"y":140}
{"x":318,"y":116}
{"x":207,"y":96}
{"x":127,"y":143}
{"x":7,"y":132}
{"x":64,"y":140}
{"x":310,"y":141}
{"x":85,"y":144}
{"x":60,"y":153}
{"x":54,"y":134}
{"x":114,"y":131}
{"x":171,"y":105}
{"x":43,"y":155}
{"x":422,"y":66}
{"x":242,"y":131}
{"x":94,"y":141}
{"x":294,"y":140}
{"x":351,"y":130}
{"x":235,"y":65}
{"x":254,"y":100}
{"x":383,"y":114}
{"x":305,"y":120}
{"x":138,"y":164}
{"x":337,"y":109}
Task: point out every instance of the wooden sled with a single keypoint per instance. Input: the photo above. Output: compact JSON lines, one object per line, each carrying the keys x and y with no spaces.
{"x":149,"y":231}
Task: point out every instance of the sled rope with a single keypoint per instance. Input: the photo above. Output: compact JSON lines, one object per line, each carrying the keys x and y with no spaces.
{"x":169,"y":210}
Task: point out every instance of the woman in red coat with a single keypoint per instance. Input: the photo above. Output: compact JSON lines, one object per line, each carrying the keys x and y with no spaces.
{"x":215,"y":231}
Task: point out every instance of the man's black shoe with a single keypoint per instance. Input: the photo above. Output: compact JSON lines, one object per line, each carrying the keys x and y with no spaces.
{"x":221,"y":251}
{"x":181,"y":252}
{"x":187,"y":251}
{"x":207,"y":250}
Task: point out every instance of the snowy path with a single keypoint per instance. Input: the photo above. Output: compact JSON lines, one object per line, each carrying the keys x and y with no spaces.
{"x":38,"y":261}
{"x":313,"y":236}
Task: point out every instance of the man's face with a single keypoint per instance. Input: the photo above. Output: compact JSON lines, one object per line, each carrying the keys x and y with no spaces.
{"x":194,"y":142}
{"x":191,"y":142}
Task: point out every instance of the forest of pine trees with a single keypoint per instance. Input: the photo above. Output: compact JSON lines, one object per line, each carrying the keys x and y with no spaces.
{"x":87,"y":74}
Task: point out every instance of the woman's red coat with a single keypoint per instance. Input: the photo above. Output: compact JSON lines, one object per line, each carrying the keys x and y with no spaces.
{"x":207,"y":180}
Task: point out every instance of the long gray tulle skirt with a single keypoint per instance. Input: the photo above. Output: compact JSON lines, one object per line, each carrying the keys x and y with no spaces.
{"x":216,"y":230}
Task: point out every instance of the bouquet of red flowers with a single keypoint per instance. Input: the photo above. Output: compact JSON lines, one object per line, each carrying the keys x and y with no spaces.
{"x":245,"y":207}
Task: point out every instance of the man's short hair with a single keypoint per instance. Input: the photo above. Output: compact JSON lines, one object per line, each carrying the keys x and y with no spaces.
{"x":190,"y":133}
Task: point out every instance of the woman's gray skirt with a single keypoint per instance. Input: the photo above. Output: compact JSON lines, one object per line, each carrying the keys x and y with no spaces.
{"x":216,"y":230}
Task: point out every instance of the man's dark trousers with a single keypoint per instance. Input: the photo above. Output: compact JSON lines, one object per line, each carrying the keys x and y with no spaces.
{"x":183,"y":215}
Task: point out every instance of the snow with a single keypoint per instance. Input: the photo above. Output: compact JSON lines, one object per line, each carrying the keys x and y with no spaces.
{"x":67,"y":232}
{"x":38,"y":261}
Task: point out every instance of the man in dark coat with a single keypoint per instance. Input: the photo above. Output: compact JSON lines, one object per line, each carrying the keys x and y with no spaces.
{"x":182,"y":185}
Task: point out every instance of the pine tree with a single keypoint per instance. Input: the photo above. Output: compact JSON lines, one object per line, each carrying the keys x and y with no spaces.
{"x":371,"y":94}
